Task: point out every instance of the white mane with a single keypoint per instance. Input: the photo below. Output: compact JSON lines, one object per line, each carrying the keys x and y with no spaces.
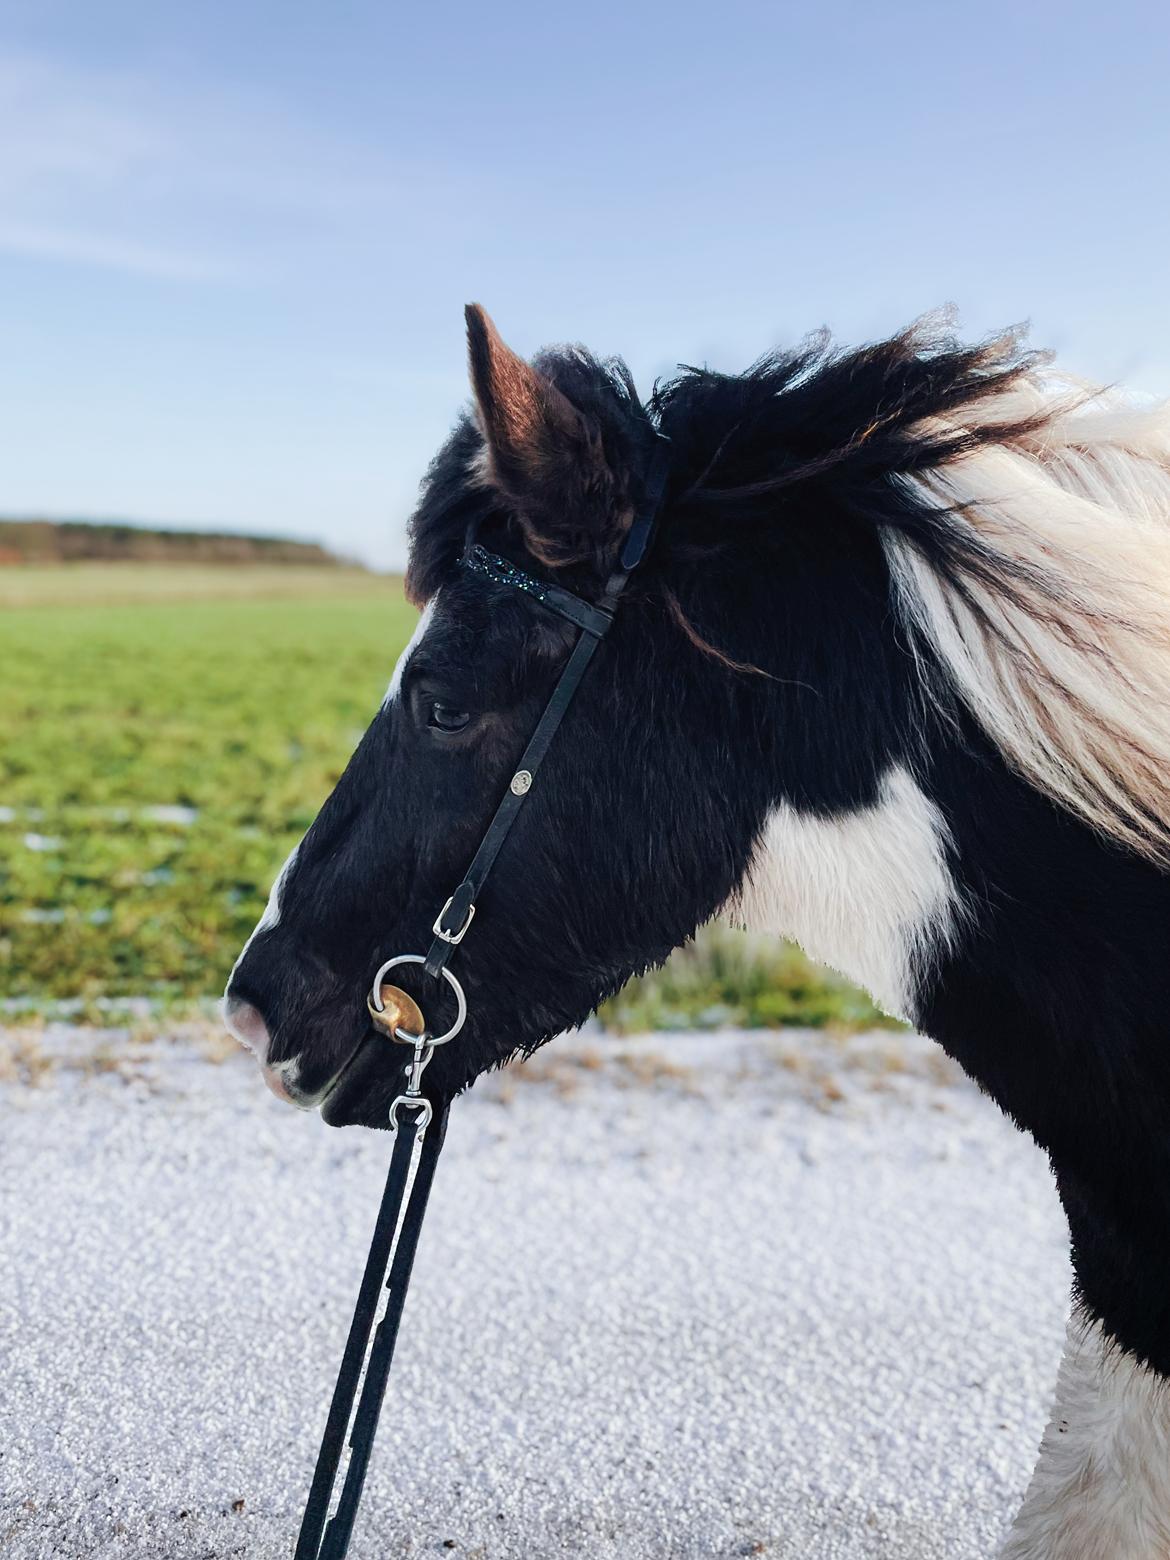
{"x":1059,"y":641}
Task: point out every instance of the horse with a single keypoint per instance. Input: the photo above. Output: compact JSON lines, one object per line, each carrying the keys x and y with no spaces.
{"x":893,"y":682}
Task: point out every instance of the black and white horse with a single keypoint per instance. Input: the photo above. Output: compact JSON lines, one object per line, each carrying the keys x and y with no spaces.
{"x":894,"y":682}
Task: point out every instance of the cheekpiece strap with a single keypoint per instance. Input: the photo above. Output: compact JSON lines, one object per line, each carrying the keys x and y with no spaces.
{"x":455,"y":917}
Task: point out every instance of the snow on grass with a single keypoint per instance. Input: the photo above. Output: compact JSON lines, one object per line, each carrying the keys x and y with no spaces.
{"x":700,"y":1296}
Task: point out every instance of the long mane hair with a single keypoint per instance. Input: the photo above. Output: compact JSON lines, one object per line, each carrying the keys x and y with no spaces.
{"x":1025,"y":519}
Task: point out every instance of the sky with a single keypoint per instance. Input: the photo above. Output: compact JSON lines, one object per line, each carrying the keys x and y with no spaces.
{"x":236,"y":239}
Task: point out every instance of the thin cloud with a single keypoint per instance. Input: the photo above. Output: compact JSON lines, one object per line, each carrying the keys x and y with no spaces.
{"x":80,"y":248}
{"x":169,"y":178}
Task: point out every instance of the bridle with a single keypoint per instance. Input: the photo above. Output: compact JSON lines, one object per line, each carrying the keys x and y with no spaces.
{"x":416,"y":1150}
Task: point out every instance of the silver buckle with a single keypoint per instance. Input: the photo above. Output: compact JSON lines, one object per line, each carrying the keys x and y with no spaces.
{"x":452,"y":937}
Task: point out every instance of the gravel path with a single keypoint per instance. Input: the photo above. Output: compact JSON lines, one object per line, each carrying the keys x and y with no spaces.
{"x":706,"y":1297}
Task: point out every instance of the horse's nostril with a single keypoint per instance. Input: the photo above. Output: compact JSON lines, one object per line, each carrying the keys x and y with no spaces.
{"x":247,"y":1024}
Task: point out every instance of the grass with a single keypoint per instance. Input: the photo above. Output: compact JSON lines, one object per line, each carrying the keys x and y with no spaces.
{"x":120,"y":584}
{"x":167,"y":734}
{"x":728,"y":978}
{"x":157,"y":763}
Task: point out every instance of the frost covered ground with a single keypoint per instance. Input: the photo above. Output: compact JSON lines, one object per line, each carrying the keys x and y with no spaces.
{"x":719,"y":1296}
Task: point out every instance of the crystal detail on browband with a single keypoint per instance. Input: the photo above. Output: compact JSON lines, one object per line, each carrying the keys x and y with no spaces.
{"x":501,"y":572}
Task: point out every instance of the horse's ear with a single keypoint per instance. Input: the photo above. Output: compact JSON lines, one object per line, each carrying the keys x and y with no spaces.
{"x":545,"y":455}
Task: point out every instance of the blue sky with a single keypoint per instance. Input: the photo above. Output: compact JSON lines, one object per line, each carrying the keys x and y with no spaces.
{"x":235,"y":239}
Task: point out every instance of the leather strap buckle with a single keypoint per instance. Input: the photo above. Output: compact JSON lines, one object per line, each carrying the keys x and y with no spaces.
{"x":457,"y":936}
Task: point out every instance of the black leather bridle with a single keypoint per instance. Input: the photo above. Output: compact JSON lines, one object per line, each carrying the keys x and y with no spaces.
{"x":416,"y":1149}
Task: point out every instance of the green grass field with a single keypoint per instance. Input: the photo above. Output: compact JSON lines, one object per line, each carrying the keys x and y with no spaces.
{"x":121,"y":584}
{"x":166,"y":735}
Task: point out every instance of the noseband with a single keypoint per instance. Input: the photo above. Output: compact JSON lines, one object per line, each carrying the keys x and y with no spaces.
{"x":412,"y":1163}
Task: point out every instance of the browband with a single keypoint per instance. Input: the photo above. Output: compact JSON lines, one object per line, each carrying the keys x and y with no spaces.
{"x":501,"y":571}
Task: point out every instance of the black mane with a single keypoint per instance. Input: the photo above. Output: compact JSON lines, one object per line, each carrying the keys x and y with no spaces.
{"x":814,"y":421}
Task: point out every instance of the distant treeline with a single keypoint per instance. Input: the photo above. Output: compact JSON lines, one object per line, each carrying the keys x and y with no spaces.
{"x":83,"y":541}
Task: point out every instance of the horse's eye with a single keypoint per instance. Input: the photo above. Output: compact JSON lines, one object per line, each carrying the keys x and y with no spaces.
{"x":444,"y":718}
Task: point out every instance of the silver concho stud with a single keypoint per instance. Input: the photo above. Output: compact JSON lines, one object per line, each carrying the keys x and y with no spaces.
{"x":521,"y":781}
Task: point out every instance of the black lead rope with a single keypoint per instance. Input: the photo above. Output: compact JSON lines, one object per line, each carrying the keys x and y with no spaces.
{"x":404,"y":1200}
{"x":322,"y":1537}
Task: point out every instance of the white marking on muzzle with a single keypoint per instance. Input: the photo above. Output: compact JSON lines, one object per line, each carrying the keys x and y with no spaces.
{"x":271,"y":914}
{"x":284,"y":1079}
{"x":269,"y":919}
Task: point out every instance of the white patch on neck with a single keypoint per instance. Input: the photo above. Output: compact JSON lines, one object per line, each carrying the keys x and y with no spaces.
{"x":1101,"y":1490}
{"x":420,"y":628}
{"x":867,"y":892}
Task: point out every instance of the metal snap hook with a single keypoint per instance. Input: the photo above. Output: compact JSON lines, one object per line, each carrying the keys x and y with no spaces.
{"x":415,"y":1102}
{"x":376,"y":1006}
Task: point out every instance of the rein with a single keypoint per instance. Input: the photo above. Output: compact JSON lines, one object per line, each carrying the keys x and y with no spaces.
{"x":418,"y":1138}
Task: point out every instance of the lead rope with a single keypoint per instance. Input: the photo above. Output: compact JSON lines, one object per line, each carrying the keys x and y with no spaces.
{"x":365,"y":1367}
{"x":417,"y":1141}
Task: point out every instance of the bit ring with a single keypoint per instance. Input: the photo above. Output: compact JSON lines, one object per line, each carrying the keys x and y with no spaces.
{"x":460,"y":998}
